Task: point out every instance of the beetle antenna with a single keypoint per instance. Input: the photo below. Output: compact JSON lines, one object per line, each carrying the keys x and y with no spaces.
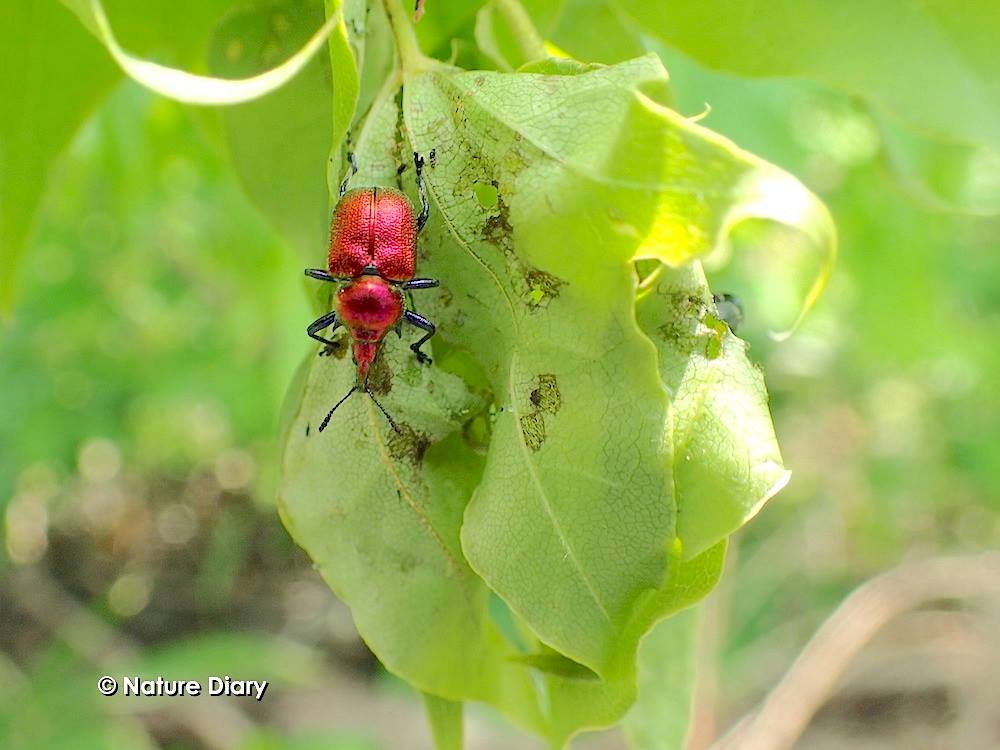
{"x":329,"y":414}
{"x":380,"y":408}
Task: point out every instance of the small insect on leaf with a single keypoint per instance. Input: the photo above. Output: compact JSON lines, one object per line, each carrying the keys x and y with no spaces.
{"x":372,"y":258}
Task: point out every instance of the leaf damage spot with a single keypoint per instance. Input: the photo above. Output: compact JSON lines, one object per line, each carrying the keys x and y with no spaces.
{"x":542,"y":288}
{"x":533,"y":429}
{"x":544,"y":398}
{"x":380,"y":376}
{"x":693,"y":326}
{"x":408,"y":444}
{"x":498,"y":229}
{"x":714,"y":340}
{"x":486,"y":195}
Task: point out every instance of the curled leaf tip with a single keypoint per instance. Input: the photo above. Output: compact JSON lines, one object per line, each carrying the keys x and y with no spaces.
{"x":701,"y":115}
{"x":778,"y":196}
{"x":190,"y":88}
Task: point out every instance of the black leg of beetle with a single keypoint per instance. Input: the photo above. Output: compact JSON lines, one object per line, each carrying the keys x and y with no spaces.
{"x":330,"y":319}
{"x":422,"y":323}
{"x":350,"y":173}
{"x":319,"y":273}
{"x":420,"y":284}
{"x":425,"y":207}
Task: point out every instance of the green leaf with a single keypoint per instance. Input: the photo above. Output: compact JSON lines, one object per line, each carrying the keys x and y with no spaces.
{"x":541,"y":319}
{"x":940,"y":72}
{"x":380,"y":512}
{"x":347,"y":58}
{"x":592,"y":30}
{"x":370,"y":39}
{"x":507,"y":31}
{"x":546,"y":284}
{"x":445,"y":718}
{"x":575,"y":704}
{"x":51,"y":75}
{"x":535,"y":225}
{"x":443,"y":22}
{"x":197,"y":89}
{"x":279,"y":145}
{"x":726,"y":458}
{"x":661,"y":715}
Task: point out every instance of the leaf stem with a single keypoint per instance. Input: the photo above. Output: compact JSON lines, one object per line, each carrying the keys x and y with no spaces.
{"x":411,"y":59}
{"x":528,"y":39}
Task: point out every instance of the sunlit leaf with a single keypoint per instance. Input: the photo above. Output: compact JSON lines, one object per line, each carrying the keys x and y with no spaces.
{"x":535,"y":225}
{"x":379,"y":512}
{"x":545,"y":280}
{"x":726,"y":458}
{"x":188,"y":87}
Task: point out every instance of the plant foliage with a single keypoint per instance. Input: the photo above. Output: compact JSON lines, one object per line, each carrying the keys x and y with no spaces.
{"x":568,"y":472}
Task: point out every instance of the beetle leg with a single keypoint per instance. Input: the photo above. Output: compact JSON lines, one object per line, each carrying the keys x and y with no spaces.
{"x":425,"y":207}
{"x":351,"y":172}
{"x":399,"y":329}
{"x":425,"y":325}
{"x":420,"y":284}
{"x":319,"y":273}
{"x":330,"y":319}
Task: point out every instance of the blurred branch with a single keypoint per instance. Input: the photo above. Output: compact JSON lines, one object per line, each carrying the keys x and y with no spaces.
{"x":786,"y":711}
{"x":219,"y":725}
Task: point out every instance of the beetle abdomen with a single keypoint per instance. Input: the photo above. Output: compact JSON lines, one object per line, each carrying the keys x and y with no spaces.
{"x":373,"y":227}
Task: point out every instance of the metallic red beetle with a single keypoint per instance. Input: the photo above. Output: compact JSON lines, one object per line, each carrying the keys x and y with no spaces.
{"x":373,"y":249}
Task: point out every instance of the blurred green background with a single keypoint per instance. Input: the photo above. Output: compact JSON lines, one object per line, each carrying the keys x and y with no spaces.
{"x":158,"y":320}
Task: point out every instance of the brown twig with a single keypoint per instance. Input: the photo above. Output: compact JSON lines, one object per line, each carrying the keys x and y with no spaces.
{"x":786,"y":711}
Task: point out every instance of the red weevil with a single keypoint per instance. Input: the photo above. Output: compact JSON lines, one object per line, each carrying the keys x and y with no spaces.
{"x":373,"y":253}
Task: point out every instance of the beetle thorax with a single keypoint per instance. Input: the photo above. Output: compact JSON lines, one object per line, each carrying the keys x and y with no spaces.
{"x":369,"y":306}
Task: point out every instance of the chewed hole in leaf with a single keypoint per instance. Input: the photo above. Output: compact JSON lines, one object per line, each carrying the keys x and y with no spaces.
{"x":542,"y":288}
{"x":533,"y":429}
{"x":498,"y":229}
{"x":717,"y":330}
{"x":546,"y":396}
{"x":486,"y":195}
{"x":693,"y":327}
